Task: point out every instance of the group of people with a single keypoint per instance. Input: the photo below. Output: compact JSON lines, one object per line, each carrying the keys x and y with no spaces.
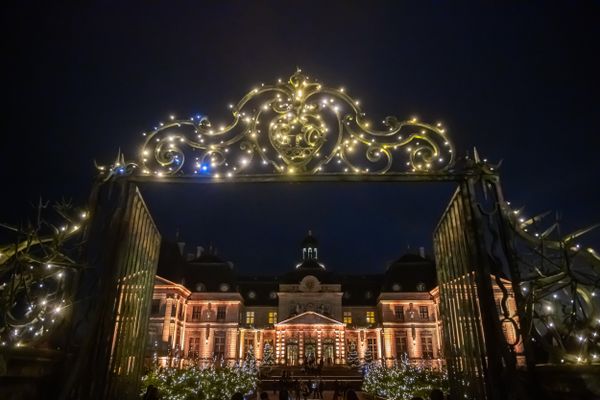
{"x":290,"y":388}
{"x":311,"y":365}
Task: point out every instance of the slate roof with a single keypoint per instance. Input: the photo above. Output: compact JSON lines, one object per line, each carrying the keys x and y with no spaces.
{"x":211,"y":273}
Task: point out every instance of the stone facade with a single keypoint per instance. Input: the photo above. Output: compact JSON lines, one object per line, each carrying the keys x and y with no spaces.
{"x":205,"y":311}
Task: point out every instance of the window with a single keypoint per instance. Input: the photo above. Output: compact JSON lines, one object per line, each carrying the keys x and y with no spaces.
{"x":370,"y":317}
{"x":372,"y":347}
{"x":248,"y":346}
{"x":181,"y":313}
{"x":420,"y":287}
{"x":219,"y":345}
{"x":250,"y":317}
{"x":424,"y":312}
{"x":399,"y":313}
{"x":196,"y":312}
{"x":426,"y":344}
{"x":155,"y":310}
{"x":347,"y":317}
{"x":194,"y":347}
{"x":221,"y":311}
{"x":401,"y":343}
{"x":272,"y":317}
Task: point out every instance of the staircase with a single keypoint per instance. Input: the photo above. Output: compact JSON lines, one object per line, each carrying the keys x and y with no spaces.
{"x":346,"y":377}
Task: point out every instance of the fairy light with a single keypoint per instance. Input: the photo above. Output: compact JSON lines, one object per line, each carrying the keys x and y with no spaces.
{"x":161,"y":156}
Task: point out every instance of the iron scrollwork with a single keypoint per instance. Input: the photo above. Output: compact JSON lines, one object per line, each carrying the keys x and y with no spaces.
{"x":294,"y":127}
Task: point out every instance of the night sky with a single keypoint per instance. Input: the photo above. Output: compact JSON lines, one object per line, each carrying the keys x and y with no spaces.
{"x":520,"y":82}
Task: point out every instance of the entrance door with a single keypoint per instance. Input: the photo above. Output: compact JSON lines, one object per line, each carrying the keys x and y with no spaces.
{"x":328,"y":353}
{"x":292,"y":354}
{"x":310,"y":352}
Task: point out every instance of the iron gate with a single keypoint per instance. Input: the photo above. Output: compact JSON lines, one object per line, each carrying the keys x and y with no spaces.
{"x":124,"y":245}
{"x":481,"y":364}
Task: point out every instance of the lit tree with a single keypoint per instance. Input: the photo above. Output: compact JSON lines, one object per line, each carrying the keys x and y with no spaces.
{"x":352,"y":358}
{"x":368,"y":356}
{"x":216,"y":382}
{"x":250,"y":360}
{"x":268,"y":357}
{"x":403,"y":381}
{"x":37,"y":272}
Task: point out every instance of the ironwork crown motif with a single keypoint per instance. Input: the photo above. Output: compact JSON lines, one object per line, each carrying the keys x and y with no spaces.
{"x":294,"y":127}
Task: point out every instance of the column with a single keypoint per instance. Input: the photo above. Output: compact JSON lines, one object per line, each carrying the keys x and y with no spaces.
{"x":319,"y":346}
{"x":241,"y":342}
{"x":301,"y":347}
{"x":167,"y":321}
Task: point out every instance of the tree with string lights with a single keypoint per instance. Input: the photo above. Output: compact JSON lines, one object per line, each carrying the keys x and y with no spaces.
{"x":403,"y":381}
{"x":218,"y":381}
{"x":268,"y":357}
{"x":37,"y":272}
{"x":352,"y":358}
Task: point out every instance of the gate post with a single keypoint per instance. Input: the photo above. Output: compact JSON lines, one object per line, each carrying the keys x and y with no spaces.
{"x":122,"y":253}
{"x":467,"y":239}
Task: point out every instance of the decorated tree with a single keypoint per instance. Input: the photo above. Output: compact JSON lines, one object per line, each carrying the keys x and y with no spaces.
{"x":352,"y":357}
{"x":368,"y":357}
{"x":250,"y":360}
{"x":38,"y":268}
{"x":403,"y":381}
{"x":268,"y":357}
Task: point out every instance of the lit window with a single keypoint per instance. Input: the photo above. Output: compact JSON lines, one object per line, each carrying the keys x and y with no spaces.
{"x":219,"y":345}
{"x":249,"y":317}
{"x":426,"y":344}
{"x":272,"y":317}
{"x":194,"y":347}
{"x":372,"y":347}
{"x":248,"y":346}
{"x":370,"y":317}
{"x":347,"y":317}
{"x":401,"y":344}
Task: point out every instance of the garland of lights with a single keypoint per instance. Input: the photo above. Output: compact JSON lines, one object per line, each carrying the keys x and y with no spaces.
{"x":403,"y":381}
{"x":217,"y":381}
{"x":36,"y":273}
{"x":294,"y":127}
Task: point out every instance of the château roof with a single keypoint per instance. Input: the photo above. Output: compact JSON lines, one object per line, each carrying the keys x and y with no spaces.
{"x":211,"y":273}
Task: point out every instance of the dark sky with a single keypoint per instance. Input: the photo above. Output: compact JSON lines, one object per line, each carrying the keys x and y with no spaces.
{"x":518,"y":81}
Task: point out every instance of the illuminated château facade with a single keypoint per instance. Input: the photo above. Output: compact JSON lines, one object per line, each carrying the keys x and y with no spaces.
{"x":201,"y":310}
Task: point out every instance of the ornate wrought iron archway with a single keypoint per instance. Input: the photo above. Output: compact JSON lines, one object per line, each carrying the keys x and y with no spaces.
{"x":294,"y":128}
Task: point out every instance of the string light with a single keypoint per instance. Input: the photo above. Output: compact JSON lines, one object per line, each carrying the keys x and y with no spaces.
{"x":297,"y":115}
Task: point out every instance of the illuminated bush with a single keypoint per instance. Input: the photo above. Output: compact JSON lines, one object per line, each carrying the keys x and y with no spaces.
{"x":403,"y":381}
{"x":216,"y":382}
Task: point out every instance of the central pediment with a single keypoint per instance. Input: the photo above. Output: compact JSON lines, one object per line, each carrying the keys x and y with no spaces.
{"x":309,"y":318}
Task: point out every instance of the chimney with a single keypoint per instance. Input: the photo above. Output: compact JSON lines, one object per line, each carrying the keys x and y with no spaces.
{"x":199,"y":251}
{"x":422,"y":251}
{"x":181,"y":246}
